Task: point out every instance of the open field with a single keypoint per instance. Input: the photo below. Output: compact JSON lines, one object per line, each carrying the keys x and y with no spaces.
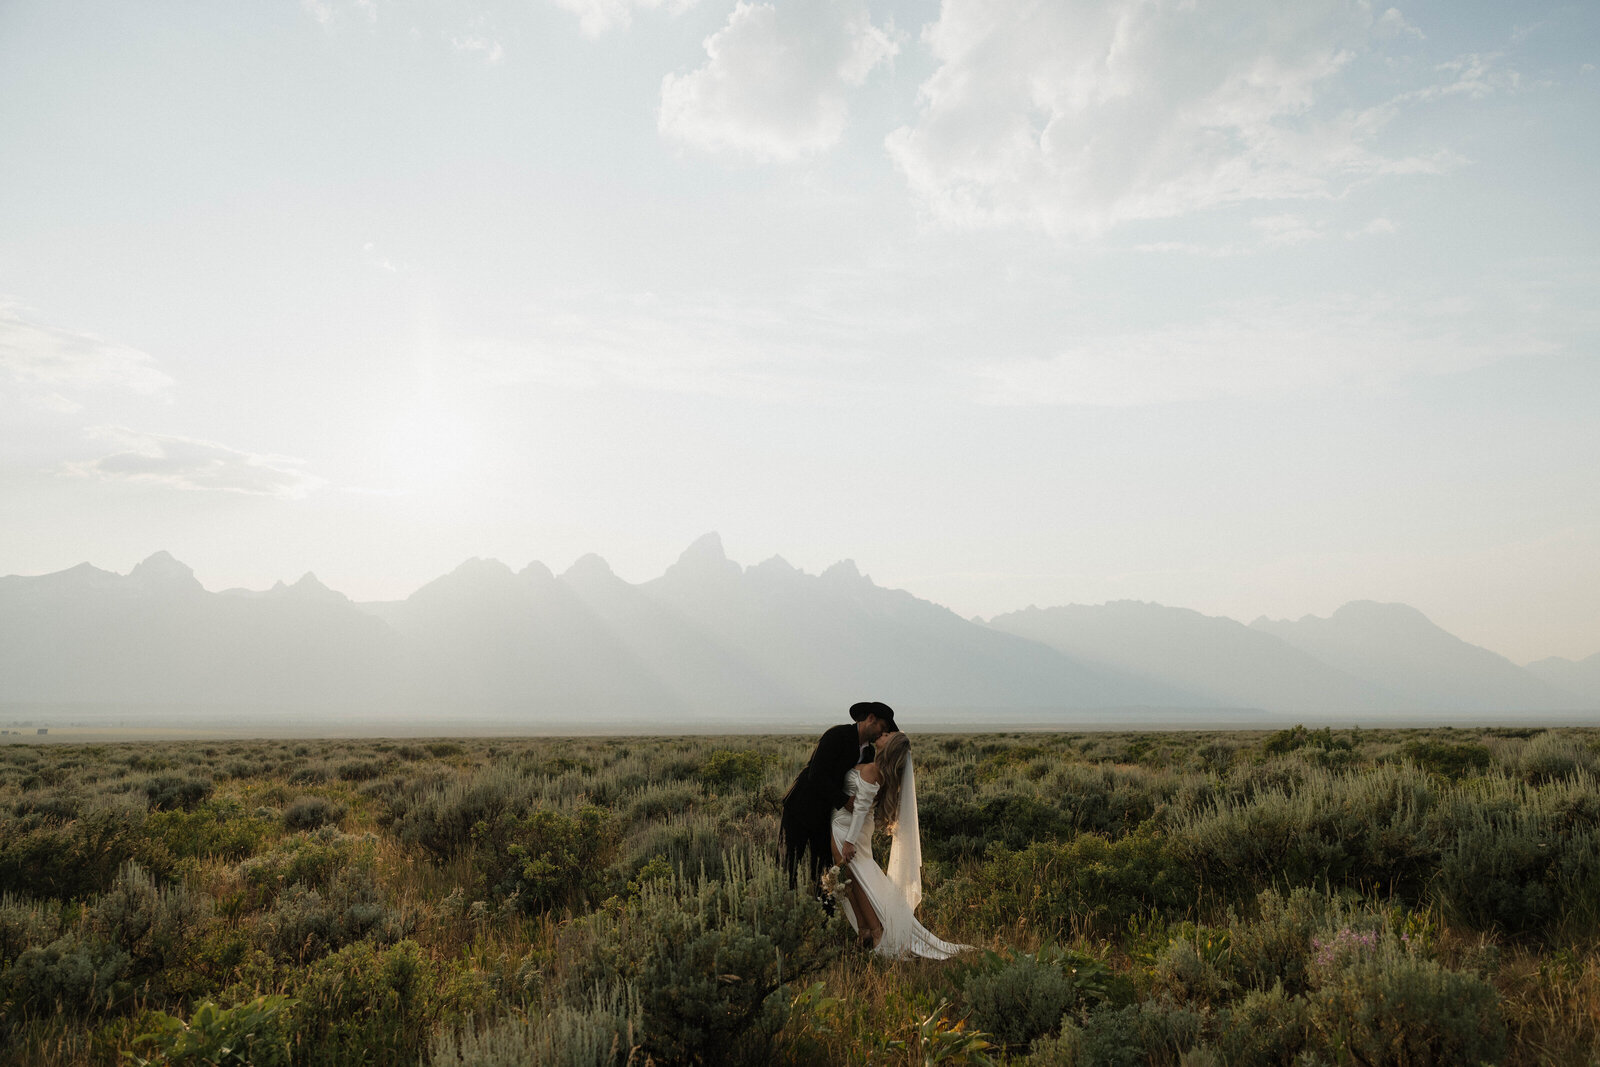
{"x":1247,"y":897}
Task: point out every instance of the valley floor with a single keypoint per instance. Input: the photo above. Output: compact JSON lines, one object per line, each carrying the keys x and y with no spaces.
{"x":1196,"y":897}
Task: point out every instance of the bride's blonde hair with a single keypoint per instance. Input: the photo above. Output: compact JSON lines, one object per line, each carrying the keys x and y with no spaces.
{"x":891,"y":761}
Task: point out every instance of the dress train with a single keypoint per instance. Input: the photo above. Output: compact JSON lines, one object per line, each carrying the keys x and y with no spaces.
{"x":903,"y":935}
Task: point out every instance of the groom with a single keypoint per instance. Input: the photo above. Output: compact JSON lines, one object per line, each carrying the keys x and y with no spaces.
{"x":809,"y":805}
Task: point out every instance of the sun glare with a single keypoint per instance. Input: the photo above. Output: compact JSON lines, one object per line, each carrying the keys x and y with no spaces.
{"x":429,"y":450}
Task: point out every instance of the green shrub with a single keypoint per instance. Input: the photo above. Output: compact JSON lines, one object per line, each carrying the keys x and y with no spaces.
{"x":1374,"y":1001}
{"x":314,"y":775}
{"x":545,"y":859}
{"x":1263,"y":1028}
{"x":308,"y":813}
{"x":1276,"y":947}
{"x":1020,"y":1000}
{"x":1194,"y":973}
{"x":1526,"y":864}
{"x":243,"y":768}
{"x":441,"y":749}
{"x":253,"y":1034}
{"x":71,"y":861}
{"x":1550,"y":756}
{"x":25,"y":924}
{"x":712,"y":962}
{"x":75,"y":973}
{"x":306,"y":923}
{"x":1318,"y":747}
{"x":173,"y":792}
{"x":604,"y":1032}
{"x":1216,"y":756}
{"x":1089,"y":879}
{"x":55,"y":807}
{"x":730,"y":769}
{"x":1151,"y":1032}
{"x":363,"y":1004}
{"x":220,"y":828}
{"x":309,"y":858}
{"x":659,"y":801}
{"x":440,"y":816}
{"x":962,"y":818}
{"x":1365,"y":830}
{"x":153,"y":925}
{"x":1450,"y":759}
{"x":360,"y":770}
{"x":690,"y":846}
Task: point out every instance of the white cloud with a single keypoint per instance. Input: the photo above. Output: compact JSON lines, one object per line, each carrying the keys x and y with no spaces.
{"x":187,"y":463}
{"x":327,"y":12}
{"x":1286,"y":229}
{"x":49,"y":367}
{"x":777,"y":79}
{"x":1257,"y":350}
{"x":1077,"y":116}
{"x":375,"y":257}
{"x":487,"y":48}
{"x":1393,"y":24}
{"x":596,"y":17}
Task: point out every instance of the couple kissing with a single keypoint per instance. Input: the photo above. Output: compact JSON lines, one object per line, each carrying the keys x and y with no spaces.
{"x":859,"y":779}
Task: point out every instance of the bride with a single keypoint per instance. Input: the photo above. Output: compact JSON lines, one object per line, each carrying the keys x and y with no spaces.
{"x":880,"y":905}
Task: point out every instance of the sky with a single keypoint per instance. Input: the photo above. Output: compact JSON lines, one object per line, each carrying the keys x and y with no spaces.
{"x":1253,"y":309}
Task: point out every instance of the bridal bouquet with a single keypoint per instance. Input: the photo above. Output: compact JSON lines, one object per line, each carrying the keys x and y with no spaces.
{"x":835,"y":883}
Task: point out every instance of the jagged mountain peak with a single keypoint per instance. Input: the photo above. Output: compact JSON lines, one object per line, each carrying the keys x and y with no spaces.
{"x":1373,"y":610}
{"x":473,"y":576}
{"x":479,"y":567}
{"x":589,"y":567}
{"x":162,"y":571}
{"x":309,"y":587}
{"x":1370,"y":618}
{"x":845,"y":572}
{"x":536,"y":573}
{"x":702,"y":561}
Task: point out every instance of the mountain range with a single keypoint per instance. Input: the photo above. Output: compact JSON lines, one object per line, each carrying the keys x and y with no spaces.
{"x":710,"y":640}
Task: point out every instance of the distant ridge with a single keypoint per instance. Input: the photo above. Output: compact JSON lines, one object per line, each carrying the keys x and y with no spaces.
{"x":712,"y":639}
{"x":1399,"y":648}
{"x":1581,"y":677}
{"x":1367,"y":657}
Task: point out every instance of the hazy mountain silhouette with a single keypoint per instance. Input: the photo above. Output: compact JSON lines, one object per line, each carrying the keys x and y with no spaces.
{"x":1578,"y":677}
{"x":86,"y":635}
{"x":709,"y":638}
{"x":831,"y":636}
{"x":1396,"y":647}
{"x":512,"y":641}
{"x":1221,"y":660}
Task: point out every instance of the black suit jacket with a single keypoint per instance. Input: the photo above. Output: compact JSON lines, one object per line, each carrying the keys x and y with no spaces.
{"x":837,"y":751}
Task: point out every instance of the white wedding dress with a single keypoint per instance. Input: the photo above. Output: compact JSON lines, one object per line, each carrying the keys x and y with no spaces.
{"x":895,"y":894}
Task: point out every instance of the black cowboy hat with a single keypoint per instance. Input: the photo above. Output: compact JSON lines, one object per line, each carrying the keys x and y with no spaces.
{"x":883,"y":711}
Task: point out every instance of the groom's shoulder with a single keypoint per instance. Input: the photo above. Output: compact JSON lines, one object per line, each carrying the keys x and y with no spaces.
{"x":842,"y":730}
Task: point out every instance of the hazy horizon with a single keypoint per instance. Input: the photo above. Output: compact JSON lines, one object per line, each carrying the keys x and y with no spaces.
{"x":288,"y":580}
{"x":1251,"y":311}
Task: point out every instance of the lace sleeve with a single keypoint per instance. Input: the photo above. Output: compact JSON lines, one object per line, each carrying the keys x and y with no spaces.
{"x":866,"y":793}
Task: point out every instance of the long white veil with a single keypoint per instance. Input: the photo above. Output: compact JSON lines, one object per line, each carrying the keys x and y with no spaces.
{"x":905,"y":850}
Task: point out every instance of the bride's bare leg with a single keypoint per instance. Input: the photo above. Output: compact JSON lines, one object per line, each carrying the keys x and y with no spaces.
{"x":866,"y":918}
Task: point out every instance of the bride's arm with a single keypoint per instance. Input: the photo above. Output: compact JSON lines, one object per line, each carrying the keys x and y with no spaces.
{"x":864,"y":798}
